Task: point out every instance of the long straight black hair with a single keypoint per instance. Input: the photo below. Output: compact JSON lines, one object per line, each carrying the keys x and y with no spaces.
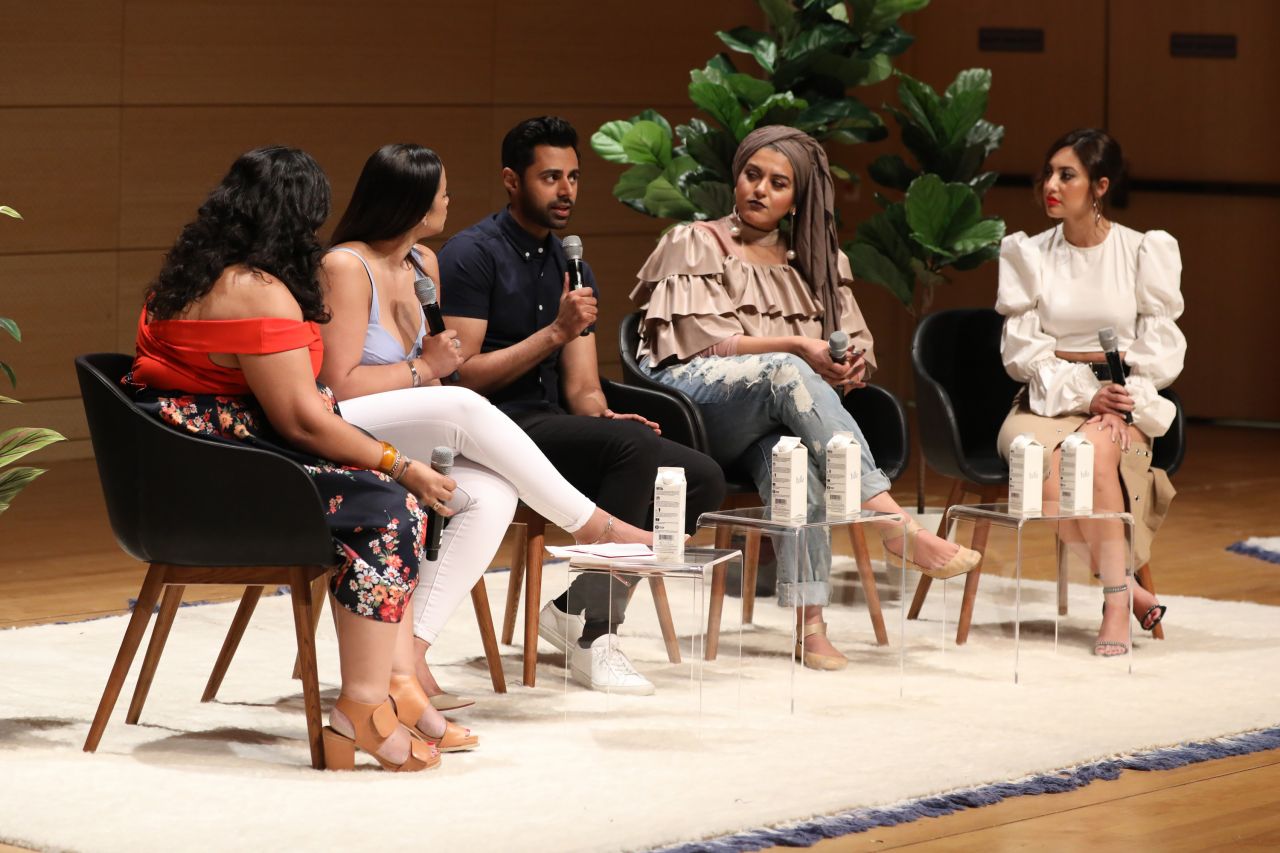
{"x":396,"y":188}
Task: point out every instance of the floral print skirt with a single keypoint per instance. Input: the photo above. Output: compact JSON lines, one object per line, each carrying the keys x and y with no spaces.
{"x":379,"y":531}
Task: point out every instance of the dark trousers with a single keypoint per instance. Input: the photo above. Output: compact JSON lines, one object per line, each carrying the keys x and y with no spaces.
{"x":614,"y":463}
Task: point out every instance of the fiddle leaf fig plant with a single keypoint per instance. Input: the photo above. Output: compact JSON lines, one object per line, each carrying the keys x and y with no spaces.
{"x":908,"y":245}
{"x":814,"y":53}
{"x":19,"y":441}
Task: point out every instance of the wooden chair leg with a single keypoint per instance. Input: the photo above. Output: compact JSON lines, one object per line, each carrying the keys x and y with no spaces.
{"x":659,"y":590}
{"x":532,"y":601}
{"x":716,"y":609}
{"x":858,"y":538}
{"x":1148,"y":583}
{"x":159,"y":634}
{"x":922,"y":586}
{"x":750,"y":570}
{"x":147,"y":596}
{"x":981,"y":531}
{"x":513,"y":587}
{"x":319,"y":593}
{"x":303,"y":624}
{"x":484,"y":619}
{"x":248,"y":602}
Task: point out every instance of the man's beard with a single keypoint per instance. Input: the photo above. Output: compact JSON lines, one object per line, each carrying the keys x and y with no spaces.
{"x":541,"y":216}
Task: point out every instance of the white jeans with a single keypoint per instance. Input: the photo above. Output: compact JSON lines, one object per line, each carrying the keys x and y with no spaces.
{"x":499,"y":464}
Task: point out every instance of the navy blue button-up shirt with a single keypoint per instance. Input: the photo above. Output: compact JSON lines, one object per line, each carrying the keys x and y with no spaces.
{"x":497,"y":271}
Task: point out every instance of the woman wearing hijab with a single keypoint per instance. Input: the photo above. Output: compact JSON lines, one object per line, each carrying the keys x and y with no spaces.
{"x":737,"y":316}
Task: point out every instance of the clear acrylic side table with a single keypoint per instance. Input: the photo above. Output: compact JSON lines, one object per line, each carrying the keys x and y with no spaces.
{"x":984,"y":516}
{"x":792,"y":538}
{"x":692,"y":570}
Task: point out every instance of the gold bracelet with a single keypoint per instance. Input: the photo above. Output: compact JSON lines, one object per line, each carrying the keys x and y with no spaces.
{"x":417,"y":380}
{"x":403,"y":470}
{"x":389,"y":456}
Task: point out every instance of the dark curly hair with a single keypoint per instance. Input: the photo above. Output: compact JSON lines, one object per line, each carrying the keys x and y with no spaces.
{"x":264,"y":215}
{"x":396,"y":188}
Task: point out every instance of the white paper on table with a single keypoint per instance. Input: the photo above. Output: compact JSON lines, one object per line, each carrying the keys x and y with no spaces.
{"x":607,"y":550}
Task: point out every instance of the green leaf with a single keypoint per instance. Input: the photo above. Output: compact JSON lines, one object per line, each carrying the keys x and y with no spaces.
{"x":753,"y":90}
{"x":8,"y":371}
{"x":853,"y":137}
{"x":19,"y":441}
{"x":893,"y":41}
{"x":938,"y":213}
{"x":714,"y":199}
{"x":679,"y":169}
{"x":712,"y":147}
{"x":647,"y":142}
{"x":830,"y":37}
{"x":849,"y":70}
{"x":837,"y":113}
{"x":978,"y":258}
{"x":983,"y":182}
{"x":781,"y":108}
{"x":869,"y":264}
{"x":781,"y":15}
{"x":663,"y":199}
{"x":607,"y":141}
{"x":12,"y":328}
{"x":632,"y":184}
{"x":922,"y":104}
{"x":759,"y":45}
{"x":654,"y":116}
{"x":872,"y":16}
{"x":888,"y":232}
{"x":9,"y":211}
{"x":720,"y":103}
{"x":842,"y":174}
{"x":13,"y":481}
{"x":963,"y":104}
{"x":978,"y":236}
{"x":890,"y":170}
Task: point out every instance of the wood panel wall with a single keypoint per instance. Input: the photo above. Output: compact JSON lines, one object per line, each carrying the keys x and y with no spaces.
{"x":117,"y":116}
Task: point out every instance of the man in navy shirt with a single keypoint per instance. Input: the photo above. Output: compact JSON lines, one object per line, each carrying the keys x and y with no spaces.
{"x":506,"y":287}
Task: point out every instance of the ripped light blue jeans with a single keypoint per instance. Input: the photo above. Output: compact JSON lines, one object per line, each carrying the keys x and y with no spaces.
{"x":747,"y":402}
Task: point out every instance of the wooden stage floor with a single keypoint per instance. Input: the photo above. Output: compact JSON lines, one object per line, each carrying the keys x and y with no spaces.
{"x":60,"y":563}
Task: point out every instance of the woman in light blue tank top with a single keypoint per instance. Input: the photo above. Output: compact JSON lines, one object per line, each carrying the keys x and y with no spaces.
{"x":386,"y":372}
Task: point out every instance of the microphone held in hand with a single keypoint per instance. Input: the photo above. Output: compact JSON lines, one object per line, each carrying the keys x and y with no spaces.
{"x":442,"y":463}
{"x":839,"y":344}
{"x":572,"y":246}
{"x":425,"y":289}
{"x":1111,"y":349}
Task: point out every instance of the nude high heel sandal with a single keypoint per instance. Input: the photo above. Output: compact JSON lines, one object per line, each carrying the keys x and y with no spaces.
{"x":814,"y":660}
{"x":373,"y":724}
{"x":411,"y":701}
{"x":964,"y":560}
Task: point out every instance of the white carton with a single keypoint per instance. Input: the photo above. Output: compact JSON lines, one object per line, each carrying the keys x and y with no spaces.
{"x":668,"y":514}
{"x":790,"y":480}
{"x":1076,"y":475}
{"x":1026,"y":475}
{"x":844,"y":476}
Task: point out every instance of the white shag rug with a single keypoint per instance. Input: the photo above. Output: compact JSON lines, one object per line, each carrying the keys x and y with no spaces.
{"x":586,"y":772}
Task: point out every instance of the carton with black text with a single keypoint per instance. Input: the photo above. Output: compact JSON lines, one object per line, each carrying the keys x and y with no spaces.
{"x":844,"y":476}
{"x":1026,"y":475}
{"x":1075,"y":488}
{"x":790,"y":477}
{"x":668,"y":514}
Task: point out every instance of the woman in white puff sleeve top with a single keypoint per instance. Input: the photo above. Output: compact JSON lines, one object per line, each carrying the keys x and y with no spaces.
{"x":1057,"y":290}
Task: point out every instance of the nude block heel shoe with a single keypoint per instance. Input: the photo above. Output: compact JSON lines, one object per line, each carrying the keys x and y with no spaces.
{"x":373,"y":724}
{"x":964,"y":560}
{"x":411,"y":701}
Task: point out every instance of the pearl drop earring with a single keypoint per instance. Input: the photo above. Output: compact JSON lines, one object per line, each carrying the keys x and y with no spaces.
{"x":791,"y":253}
{"x":734,"y":228}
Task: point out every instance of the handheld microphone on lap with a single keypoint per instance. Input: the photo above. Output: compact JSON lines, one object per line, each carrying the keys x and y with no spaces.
{"x":425,"y":289}
{"x":839,"y":345}
{"x":1111,"y":349}
{"x":441,"y":462}
{"x":572,"y":246}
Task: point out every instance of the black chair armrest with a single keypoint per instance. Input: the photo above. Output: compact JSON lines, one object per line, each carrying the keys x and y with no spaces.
{"x":672,"y":410}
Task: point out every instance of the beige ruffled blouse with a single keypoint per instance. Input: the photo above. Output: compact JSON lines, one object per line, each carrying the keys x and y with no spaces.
{"x":698,"y":289}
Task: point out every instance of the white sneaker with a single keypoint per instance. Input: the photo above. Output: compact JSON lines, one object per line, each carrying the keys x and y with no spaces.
{"x":558,"y":628}
{"x":605,"y":667}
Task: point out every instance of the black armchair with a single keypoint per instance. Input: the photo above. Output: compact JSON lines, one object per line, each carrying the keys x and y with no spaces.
{"x":964,"y":394}
{"x":879,"y":415}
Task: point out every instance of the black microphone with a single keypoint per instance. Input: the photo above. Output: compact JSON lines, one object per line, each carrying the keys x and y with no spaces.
{"x":1111,"y":349}
{"x":839,"y":345}
{"x":572,"y":246}
{"x":441,"y":462}
{"x":425,"y":289}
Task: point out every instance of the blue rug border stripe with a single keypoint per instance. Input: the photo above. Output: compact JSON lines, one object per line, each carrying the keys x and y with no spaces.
{"x":1254,"y":551}
{"x":809,"y":832}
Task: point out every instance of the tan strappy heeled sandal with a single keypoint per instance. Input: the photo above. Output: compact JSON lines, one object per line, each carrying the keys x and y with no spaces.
{"x":814,"y":660}
{"x":411,"y":701}
{"x":964,"y":560}
{"x":373,"y":724}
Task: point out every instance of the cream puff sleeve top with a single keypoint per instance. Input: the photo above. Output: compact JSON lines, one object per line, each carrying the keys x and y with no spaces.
{"x":1056,"y":296}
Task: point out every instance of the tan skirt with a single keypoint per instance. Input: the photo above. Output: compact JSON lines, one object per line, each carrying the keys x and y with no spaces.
{"x":1147,"y":490}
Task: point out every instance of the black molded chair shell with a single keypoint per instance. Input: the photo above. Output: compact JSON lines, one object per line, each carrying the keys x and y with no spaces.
{"x":187,"y":501}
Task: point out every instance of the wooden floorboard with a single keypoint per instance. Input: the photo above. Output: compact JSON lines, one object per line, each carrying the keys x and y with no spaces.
{"x":59,"y":562}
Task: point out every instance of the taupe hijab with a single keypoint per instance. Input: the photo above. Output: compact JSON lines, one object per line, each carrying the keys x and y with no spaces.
{"x":813,"y":236}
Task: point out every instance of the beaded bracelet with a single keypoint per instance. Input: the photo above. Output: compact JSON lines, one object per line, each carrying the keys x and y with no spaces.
{"x":404,"y":469}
